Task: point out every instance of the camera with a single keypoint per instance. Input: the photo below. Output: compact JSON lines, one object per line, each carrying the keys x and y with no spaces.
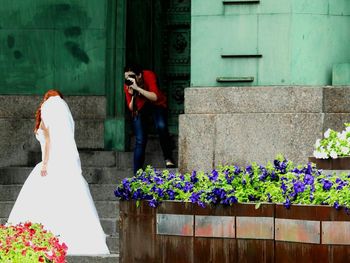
{"x":129,"y":82}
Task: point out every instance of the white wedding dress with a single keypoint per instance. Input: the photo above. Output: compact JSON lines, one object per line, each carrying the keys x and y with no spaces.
{"x":61,"y":201}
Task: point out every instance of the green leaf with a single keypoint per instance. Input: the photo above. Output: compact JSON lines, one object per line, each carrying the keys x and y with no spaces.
{"x":257,"y":205}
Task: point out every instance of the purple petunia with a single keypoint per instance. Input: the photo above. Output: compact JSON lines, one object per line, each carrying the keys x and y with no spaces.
{"x":283,"y":187}
{"x":230,"y":200}
{"x":327,"y":185}
{"x":274,"y":176}
{"x":158,"y":180}
{"x":171,"y":176}
{"x":287,"y":203}
{"x":251,"y":198}
{"x":171,"y":194}
{"x":188,"y":187}
{"x":214,"y":175}
{"x":308,"y":179}
{"x":249,"y":170}
{"x":193,"y":177}
{"x":229,"y":178}
{"x":194,"y":198}
{"x":237,"y":170}
{"x":280,"y":166}
{"x":153,"y":203}
{"x":336,"y":205}
{"x":137,"y":194}
{"x":263,"y":175}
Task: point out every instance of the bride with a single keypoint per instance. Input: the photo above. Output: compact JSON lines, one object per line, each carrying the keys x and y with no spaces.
{"x":55,"y":194}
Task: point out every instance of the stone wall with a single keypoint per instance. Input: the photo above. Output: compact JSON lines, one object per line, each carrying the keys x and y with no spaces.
{"x":240,"y":125}
{"x":17,"y":139}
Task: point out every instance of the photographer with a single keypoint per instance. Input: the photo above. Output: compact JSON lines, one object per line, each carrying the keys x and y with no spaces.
{"x":144,"y":98}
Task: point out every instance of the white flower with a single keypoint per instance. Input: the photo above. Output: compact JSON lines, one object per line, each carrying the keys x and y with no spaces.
{"x":344,"y":150}
{"x":320,"y":155}
{"x":318,"y":143}
{"x":347,"y":129}
{"x":333,"y":154}
{"x":342,"y":135}
{"x":327,"y":133}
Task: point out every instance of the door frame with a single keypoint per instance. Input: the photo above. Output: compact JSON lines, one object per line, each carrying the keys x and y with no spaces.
{"x":115,"y":125}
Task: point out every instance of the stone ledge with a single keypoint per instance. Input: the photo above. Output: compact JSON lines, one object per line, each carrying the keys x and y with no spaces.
{"x":82,"y":107}
{"x":269,"y":99}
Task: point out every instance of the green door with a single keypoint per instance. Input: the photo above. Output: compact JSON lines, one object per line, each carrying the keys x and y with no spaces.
{"x":158,"y":38}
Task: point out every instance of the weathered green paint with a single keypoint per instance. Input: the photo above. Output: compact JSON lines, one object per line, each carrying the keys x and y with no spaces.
{"x":341,"y":74}
{"x":53,"y":44}
{"x":115,"y":134}
{"x":300,"y":41}
{"x":115,"y":128}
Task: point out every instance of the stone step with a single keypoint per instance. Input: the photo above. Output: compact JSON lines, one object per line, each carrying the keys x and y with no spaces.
{"x":110,"y":225}
{"x":125,"y":159}
{"x":113,"y":258}
{"x":99,"y":192}
{"x":17,"y":139}
{"x":82,"y":107}
{"x":89,"y":134}
{"x":93,"y":175}
{"x":88,"y":158}
{"x":113,"y":243}
{"x":153,"y":144}
{"x":107,"y":210}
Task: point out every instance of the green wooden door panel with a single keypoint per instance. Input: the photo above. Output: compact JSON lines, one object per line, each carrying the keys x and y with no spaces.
{"x":53,"y":44}
{"x":26,"y":61}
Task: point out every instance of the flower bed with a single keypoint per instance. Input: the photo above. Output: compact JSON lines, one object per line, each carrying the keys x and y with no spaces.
{"x":234,"y":214}
{"x":280,"y":182}
{"x":28,"y":243}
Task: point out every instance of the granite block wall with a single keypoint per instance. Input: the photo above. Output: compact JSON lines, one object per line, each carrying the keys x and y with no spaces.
{"x":240,"y":125}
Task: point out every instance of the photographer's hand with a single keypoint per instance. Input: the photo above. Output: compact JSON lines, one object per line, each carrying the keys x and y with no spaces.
{"x":130,"y":90}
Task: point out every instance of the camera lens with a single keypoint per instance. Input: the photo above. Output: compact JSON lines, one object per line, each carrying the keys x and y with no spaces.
{"x":128,"y":82}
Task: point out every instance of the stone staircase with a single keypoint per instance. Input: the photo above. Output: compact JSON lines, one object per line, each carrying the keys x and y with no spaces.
{"x":103,"y":170}
{"x":102,"y":181}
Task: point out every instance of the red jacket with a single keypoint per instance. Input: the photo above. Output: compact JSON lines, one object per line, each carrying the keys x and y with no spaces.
{"x":150,"y":84}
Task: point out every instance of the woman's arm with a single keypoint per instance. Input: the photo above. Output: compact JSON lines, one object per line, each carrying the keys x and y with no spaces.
{"x":46,"y":149}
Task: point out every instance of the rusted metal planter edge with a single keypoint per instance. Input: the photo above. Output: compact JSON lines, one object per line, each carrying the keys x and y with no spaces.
{"x":184,"y":232}
{"x":341,"y":163}
{"x":301,"y":223}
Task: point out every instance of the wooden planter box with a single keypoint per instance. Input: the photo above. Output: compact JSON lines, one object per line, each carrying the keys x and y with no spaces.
{"x":341,"y":163}
{"x":183,"y":232}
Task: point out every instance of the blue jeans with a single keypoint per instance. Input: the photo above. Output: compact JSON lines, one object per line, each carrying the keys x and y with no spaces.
{"x":159,"y":115}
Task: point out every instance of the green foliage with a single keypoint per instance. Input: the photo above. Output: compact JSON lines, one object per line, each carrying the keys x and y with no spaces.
{"x":277,"y":182}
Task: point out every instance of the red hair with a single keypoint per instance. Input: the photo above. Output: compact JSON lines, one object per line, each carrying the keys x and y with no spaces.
{"x":48,"y":94}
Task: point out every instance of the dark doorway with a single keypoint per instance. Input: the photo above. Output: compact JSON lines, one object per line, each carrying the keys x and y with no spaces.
{"x":158,"y":38}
